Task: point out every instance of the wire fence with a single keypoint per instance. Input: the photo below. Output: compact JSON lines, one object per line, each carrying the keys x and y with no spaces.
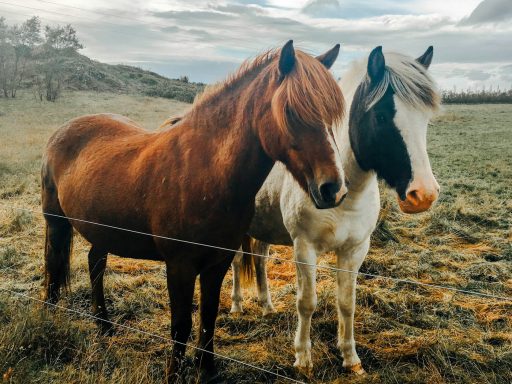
{"x":280,"y":259}
{"x":166,"y":339}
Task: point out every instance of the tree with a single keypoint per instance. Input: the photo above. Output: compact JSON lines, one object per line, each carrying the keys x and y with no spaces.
{"x":59,"y":44}
{"x":6,"y":53}
{"x":23,"y":39}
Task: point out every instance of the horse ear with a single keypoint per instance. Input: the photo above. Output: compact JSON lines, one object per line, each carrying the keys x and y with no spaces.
{"x":329,"y":57}
{"x":426,"y":58}
{"x":376,"y":65}
{"x":287,"y":58}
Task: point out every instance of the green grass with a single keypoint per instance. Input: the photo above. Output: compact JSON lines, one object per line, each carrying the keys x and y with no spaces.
{"x":404,"y":333}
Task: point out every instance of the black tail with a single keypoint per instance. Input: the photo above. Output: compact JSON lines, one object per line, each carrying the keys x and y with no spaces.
{"x":57,"y":254}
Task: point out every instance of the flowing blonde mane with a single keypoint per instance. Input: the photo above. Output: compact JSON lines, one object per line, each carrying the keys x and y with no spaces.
{"x":410,"y":82}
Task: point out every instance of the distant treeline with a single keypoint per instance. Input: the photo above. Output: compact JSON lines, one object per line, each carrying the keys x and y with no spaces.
{"x":477,"y":97}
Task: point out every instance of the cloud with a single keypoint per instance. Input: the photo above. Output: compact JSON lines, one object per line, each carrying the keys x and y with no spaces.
{"x":344,"y":9}
{"x":489,"y":11}
{"x":472,"y":74}
{"x":208,"y":40}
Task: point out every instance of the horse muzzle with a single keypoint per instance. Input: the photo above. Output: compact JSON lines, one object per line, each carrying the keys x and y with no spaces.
{"x":328,"y":194}
{"x":419,"y":196}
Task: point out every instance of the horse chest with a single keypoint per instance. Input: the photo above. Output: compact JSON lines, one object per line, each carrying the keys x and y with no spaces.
{"x":344,"y":227}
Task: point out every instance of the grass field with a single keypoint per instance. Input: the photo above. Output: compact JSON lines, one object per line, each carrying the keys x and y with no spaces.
{"x":404,"y":333}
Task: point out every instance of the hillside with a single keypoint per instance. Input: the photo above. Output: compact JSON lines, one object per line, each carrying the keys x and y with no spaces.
{"x":85,"y":74}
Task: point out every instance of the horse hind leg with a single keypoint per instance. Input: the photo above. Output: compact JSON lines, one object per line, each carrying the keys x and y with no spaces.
{"x":236,"y":292}
{"x":97,"y":263}
{"x":260,"y":265}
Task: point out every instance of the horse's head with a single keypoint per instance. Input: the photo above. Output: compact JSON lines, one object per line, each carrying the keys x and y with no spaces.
{"x":300,"y":102}
{"x":388,"y":125}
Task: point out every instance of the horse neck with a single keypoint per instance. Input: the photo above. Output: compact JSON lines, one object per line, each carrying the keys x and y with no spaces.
{"x":358,"y":178}
{"x":222,"y":126}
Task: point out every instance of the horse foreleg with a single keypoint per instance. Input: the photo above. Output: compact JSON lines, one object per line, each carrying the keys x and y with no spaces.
{"x":180,"y":284}
{"x":260,"y":265}
{"x":211,"y":282}
{"x":346,"y":302}
{"x":305,"y":254}
{"x":97,"y":263}
{"x":236,"y":292}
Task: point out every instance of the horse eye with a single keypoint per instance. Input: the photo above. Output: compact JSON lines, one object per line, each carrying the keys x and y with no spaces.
{"x":381,"y":118}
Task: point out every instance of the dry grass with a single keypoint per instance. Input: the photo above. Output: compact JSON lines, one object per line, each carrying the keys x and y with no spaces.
{"x":405,"y":334}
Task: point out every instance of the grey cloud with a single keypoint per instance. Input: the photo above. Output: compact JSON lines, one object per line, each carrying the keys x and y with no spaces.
{"x":344,"y":9}
{"x":506,"y":69}
{"x":185,"y":42}
{"x":477,"y":74}
{"x":254,"y":29}
{"x":489,"y":11}
{"x":198,"y":33}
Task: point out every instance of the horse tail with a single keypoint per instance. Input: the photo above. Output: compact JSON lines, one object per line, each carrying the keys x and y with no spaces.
{"x":57,"y":254}
{"x":58,"y":240}
{"x":247,"y":268}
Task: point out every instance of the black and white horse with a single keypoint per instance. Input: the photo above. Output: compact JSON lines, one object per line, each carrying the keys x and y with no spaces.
{"x":392,"y":98}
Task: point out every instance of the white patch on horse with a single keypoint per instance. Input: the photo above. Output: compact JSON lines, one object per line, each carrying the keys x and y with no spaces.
{"x":412,"y":124}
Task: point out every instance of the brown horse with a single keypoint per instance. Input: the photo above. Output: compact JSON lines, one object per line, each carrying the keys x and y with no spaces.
{"x":196,"y":182}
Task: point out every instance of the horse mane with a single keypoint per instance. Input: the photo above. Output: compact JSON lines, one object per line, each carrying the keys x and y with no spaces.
{"x":247,"y":66}
{"x":306,"y":96}
{"x":170,"y":121}
{"x":409,"y":80}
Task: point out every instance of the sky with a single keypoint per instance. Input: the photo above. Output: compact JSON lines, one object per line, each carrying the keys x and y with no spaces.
{"x":206,"y":40}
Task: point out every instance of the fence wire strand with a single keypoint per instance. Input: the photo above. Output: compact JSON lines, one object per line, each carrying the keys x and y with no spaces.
{"x":280,"y":259}
{"x":154,"y":335}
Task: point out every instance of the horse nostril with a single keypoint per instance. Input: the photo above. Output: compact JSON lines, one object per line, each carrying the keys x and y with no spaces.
{"x":329,"y":190}
{"x":414,"y":196}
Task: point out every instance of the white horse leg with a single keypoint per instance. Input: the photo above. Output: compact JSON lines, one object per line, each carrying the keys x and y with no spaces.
{"x":260,"y":264}
{"x":236,"y":293}
{"x":306,"y":302}
{"x":346,"y":302}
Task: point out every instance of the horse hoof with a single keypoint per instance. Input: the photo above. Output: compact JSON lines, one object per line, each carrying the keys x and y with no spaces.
{"x":214,"y":378}
{"x":107,"y":330}
{"x":268,"y":311}
{"x":236,"y":308}
{"x":305,"y":369}
{"x":356,"y":369}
